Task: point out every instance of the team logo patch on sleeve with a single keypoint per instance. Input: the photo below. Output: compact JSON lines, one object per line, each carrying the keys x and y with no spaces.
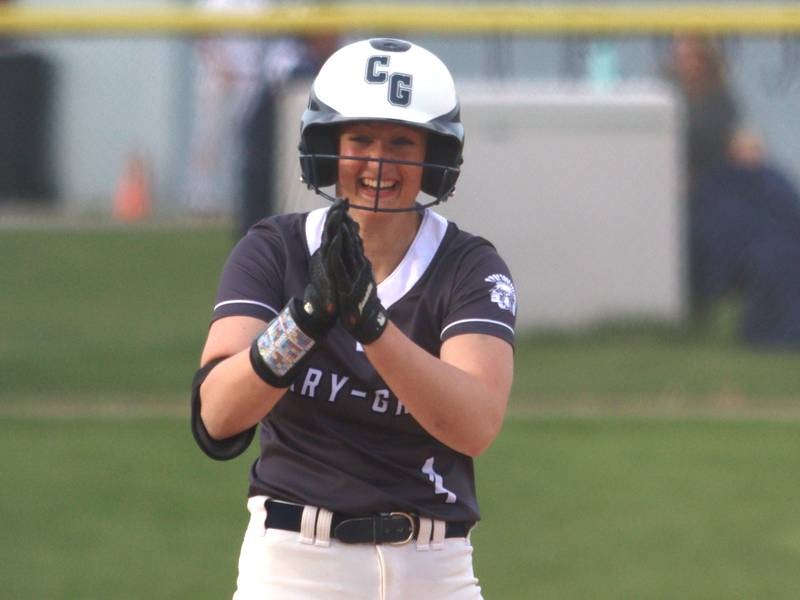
{"x":503,"y":293}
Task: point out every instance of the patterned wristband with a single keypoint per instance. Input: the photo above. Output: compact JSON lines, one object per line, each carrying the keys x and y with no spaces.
{"x":282,"y":346}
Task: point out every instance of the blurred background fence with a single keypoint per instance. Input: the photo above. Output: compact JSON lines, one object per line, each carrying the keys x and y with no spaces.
{"x":574,"y":124}
{"x":122,"y":77}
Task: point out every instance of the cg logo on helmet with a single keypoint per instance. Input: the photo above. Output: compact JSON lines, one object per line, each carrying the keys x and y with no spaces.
{"x":399,"y":83}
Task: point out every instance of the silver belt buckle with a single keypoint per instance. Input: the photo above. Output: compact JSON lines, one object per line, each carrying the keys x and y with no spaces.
{"x":410,"y":522}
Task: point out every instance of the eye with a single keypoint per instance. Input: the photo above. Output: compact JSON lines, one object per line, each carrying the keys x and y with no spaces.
{"x":359,"y":139}
{"x":403,"y":141}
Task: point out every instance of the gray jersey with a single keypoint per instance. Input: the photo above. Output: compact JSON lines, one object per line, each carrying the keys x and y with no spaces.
{"x":339,"y":438}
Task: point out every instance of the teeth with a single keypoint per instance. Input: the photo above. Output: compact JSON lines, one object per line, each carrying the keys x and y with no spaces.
{"x":373,"y":183}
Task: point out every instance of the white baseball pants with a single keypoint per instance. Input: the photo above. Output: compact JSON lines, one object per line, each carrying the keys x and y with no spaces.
{"x":309,"y":565}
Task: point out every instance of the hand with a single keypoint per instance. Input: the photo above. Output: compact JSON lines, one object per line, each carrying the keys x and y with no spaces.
{"x":359,"y":308}
{"x":319,"y":298}
{"x":278,"y":353}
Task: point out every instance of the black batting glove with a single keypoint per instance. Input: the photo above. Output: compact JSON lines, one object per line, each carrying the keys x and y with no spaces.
{"x":316,"y":314}
{"x":319,"y":299}
{"x":280,"y":351}
{"x":360,"y":310}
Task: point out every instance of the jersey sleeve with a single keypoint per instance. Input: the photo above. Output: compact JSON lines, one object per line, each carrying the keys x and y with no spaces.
{"x":484,"y":299}
{"x":252,"y":279}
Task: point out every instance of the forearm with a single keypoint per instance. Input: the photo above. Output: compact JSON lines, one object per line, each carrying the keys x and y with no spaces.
{"x":263,"y":358}
{"x":234,"y":398}
{"x":458,"y":408}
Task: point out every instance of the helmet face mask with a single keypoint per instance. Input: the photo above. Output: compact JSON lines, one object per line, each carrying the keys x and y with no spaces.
{"x":442,"y":175}
{"x":383,"y":80}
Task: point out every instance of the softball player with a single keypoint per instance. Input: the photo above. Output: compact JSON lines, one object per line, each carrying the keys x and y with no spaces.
{"x":372,"y":340}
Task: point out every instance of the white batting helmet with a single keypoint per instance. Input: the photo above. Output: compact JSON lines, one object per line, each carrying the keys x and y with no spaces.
{"x":385,"y":80}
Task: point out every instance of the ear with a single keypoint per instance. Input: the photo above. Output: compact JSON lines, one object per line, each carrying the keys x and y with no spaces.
{"x":319,"y":172}
{"x":442,"y":150}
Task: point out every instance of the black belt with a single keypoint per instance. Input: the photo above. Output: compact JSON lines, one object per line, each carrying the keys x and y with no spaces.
{"x":386,"y":528}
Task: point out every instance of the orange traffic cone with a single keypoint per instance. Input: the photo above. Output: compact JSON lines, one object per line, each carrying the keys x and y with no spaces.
{"x":132,"y":199}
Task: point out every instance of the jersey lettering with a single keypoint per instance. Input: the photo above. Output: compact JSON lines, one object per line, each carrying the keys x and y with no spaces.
{"x":313,"y":377}
{"x":380,"y":404}
{"x":336,"y":385}
{"x":331,"y":386}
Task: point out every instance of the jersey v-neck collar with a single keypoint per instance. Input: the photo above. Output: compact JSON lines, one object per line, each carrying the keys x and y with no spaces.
{"x":416,"y":261}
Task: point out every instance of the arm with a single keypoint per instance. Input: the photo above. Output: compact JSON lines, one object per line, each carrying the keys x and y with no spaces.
{"x":459,"y":399}
{"x":262,"y":358}
{"x":233,"y":397}
{"x":240,"y":390}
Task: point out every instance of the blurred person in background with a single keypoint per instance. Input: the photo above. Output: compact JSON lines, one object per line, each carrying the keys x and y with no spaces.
{"x":227,"y":79}
{"x":285,"y":61}
{"x":713,"y":115}
{"x":744,"y":214}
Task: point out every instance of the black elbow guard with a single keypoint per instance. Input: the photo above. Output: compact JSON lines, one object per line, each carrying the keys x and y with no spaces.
{"x":217,"y":449}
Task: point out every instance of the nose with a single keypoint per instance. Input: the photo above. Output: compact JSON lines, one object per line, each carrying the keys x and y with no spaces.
{"x":375,"y":152}
{"x":376,"y":165}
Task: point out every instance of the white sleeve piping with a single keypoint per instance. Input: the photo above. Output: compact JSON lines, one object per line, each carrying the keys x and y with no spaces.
{"x":511,"y":329}
{"x":267,"y":306}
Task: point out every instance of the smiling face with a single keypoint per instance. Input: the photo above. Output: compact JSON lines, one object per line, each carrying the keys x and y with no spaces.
{"x":399,"y":184}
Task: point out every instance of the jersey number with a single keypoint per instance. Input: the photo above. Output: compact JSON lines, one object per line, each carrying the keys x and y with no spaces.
{"x":437,"y":481}
{"x":400,"y":84}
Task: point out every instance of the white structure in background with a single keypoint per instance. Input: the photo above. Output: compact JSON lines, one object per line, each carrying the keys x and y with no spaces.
{"x":115,"y":96}
{"x":579,"y":189}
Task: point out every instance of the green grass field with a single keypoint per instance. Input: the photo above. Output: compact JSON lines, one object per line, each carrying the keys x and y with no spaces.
{"x":636,"y":461}
{"x":574,"y":508}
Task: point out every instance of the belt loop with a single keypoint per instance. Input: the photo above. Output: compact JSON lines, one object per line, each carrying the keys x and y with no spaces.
{"x":437,"y":540}
{"x":308,"y":524}
{"x":257,"y":507}
{"x":324,"y":519}
{"x":424,"y":535}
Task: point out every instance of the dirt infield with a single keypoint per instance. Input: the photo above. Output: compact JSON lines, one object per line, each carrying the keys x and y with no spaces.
{"x":721,"y":406}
